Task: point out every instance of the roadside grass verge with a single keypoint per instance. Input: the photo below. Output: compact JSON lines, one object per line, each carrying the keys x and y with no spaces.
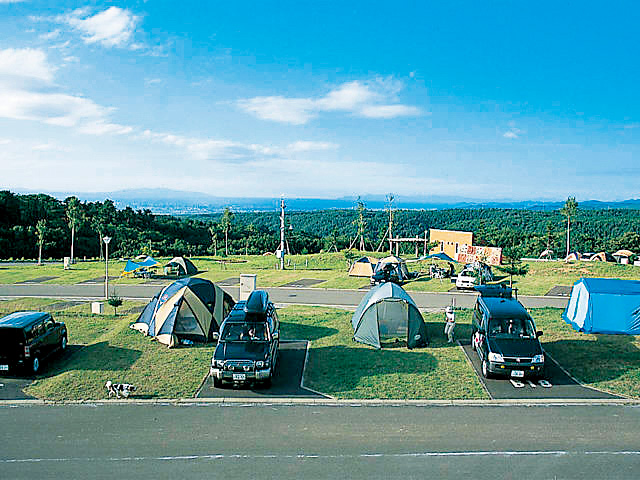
{"x":607,"y":362}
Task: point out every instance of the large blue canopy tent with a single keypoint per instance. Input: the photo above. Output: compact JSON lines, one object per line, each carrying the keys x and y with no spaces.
{"x":604,"y":305}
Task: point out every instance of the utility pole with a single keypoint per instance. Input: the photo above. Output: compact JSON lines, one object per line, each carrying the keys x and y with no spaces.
{"x":390,"y":199}
{"x":282,"y":241}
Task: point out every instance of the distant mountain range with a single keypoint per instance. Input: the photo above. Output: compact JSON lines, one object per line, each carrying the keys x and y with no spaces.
{"x":176,"y":202}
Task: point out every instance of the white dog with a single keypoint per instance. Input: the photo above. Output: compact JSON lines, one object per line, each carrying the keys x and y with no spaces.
{"x":119,"y":389}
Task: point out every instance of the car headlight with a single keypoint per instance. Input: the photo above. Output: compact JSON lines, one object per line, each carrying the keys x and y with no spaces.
{"x":262,"y":364}
{"x":495,"y":357}
{"x":217,"y":363}
{"x":538,"y":359}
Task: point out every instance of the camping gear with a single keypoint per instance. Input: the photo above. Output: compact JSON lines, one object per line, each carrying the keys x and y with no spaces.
{"x":604,"y":305}
{"x":188,"y":309}
{"x":388,"y":313}
{"x":363,"y":267}
{"x":131,"y":267}
{"x":182,"y":266}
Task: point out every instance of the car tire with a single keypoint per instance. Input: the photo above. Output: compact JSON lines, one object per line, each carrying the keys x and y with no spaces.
{"x":217,"y":383}
{"x":473,"y":343}
{"x":485,"y":369}
{"x":35,"y":365}
{"x":267,"y":382}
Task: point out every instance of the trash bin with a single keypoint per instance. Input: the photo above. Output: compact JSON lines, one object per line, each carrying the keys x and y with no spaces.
{"x":67,"y":263}
{"x":97,"y":308}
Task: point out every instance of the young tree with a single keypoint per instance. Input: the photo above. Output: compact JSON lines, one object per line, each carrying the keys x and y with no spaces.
{"x":41,"y":232}
{"x":390,"y":198}
{"x":569,"y":210}
{"x":115,"y":301}
{"x":74,"y":218}
{"x":214,"y":239}
{"x":227,"y":218}
{"x":514,"y":265}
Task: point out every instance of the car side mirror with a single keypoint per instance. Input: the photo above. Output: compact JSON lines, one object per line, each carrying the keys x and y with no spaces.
{"x":276,"y":335}
{"x":539,"y":333}
{"x":215,"y":336}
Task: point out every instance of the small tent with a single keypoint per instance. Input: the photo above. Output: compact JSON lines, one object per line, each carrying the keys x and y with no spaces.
{"x":188,"y":309}
{"x":386,"y":313}
{"x":623,"y":256}
{"x":396,"y":265}
{"x":573,"y":257}
{"x":184,"y":266}
{"x":604,"y":305}
{"x":438,"y":256}
{"x":363,"y":267}
{"x":602,"y":257}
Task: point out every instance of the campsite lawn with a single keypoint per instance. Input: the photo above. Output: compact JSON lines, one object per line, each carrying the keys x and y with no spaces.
{"x":102,"y":348}
{"x":329,"y":268}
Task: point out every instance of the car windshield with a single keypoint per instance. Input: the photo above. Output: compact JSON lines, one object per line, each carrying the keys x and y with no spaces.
{"x":244,"y":332}
{"x":511,"y":328}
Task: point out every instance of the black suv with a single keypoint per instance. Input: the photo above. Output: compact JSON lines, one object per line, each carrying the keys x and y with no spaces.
{"x":26,"y":338}
{"x":504,"y":335}
{"x":248,"y":343}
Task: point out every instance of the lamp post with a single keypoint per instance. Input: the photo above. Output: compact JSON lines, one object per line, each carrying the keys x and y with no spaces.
{"x":106,"y":241}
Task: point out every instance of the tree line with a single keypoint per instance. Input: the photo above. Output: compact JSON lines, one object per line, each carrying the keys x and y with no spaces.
{"x":33,"y":225}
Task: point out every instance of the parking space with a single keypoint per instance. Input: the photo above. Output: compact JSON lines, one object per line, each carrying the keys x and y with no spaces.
{"x":555,"y":385}
{"x":303,"y":283}
{"x":286,"y":382}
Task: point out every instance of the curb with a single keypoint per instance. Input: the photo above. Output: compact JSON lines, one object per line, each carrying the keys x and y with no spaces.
{"x":244,"y":402}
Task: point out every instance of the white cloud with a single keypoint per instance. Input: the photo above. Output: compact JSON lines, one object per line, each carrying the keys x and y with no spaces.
{"x":513,"y":132}
{"x":24,"y":64}
{"x":280,"y":109}
{"x":113,"y":27}
{"x":26,"y":83}
{"x":50,"y":35}
{"x":389,"y":111}
{"x":510,"y":135}
{"x":364,"y":99}
{"x":308,"y":146}
{"x":11,"y":1}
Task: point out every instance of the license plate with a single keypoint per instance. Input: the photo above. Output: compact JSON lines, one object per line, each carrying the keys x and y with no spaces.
{"x":517,"y":373}
{"x":4,"y":368}
{"x":239,"y":376}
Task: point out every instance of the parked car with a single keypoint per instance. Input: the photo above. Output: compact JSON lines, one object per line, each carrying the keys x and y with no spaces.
{"x":27,"y":338}
{"x":248,"y":343}
{"x":474,"y":274}
{"x":504,"y":335}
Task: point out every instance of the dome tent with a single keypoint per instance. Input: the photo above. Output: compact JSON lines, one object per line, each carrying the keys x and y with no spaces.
{"x":183,"y":265}
{"x":385,"y":313}
{"x":188,"y":309}
{"x":363,"y":267}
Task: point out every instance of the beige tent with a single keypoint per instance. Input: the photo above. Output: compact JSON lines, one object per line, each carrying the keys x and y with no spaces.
{"x":363,"y":267}
{"x":622,"y":256}
{"x":189,"y":309}
{"x":601,"y":257}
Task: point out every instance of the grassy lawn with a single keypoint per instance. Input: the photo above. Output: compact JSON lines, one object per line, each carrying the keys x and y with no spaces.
{"x":331,"y":268}
{"x":102,"y":348}
{"x":343,"y":368}
{"x":608,"y":362}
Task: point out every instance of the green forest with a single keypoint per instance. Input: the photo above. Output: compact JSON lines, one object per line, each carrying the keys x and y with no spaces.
{"x":41,"y":225}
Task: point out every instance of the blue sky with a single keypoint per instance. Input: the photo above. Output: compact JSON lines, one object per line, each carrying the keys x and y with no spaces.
{"x":487,"y":100}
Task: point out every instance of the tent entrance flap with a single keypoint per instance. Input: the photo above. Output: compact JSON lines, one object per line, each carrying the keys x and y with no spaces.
{"x":186,"y":322}
{"x":392,"y":319}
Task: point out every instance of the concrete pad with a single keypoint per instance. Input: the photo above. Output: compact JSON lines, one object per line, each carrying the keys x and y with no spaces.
{"x":303,"y":283}
{"x":562,"y":385}
{"x":559,"y":291}
{"x":35,"y":280}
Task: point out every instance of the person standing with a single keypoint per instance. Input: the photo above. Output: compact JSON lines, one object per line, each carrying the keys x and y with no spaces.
{"x":450,"y":323}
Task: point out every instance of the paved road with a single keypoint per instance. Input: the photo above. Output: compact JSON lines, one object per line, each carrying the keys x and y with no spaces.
{"x":276,"y":441}
{"x":282,"y":295}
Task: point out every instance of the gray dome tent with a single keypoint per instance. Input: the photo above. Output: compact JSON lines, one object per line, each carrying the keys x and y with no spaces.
{"x":387,"y":312}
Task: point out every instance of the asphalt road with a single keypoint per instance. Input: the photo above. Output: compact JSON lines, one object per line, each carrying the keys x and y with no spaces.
{"x":281,"y":295}
{"x":280,"y":441}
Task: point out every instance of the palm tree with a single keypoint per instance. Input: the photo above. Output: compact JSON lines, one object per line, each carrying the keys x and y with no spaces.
{"x":41,"y":232}
{"x":569,"y":210}
{"x":227,"y":217}
{"x":74,"y":218}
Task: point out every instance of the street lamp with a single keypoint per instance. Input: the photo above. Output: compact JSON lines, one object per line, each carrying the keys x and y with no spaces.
{"x":106,"y":241}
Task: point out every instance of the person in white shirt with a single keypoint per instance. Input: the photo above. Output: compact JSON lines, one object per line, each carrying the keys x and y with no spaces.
{"x":450,"y":323}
